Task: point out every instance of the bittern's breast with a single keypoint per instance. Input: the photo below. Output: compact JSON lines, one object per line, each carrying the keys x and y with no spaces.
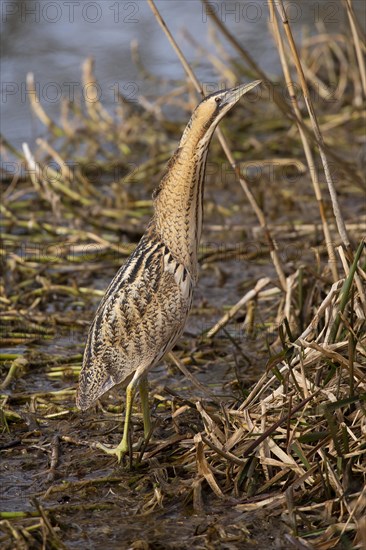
{"x":142,"y":315}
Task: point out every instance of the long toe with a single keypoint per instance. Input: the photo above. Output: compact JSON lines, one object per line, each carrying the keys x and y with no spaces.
{"x":119,"y":451}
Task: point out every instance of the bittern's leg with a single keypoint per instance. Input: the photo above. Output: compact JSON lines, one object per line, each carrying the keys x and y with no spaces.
{"x":122,"y":448}
{"x":144,"y":395}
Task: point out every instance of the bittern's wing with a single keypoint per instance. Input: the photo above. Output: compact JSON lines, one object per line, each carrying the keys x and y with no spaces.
{"x":139,"y":319}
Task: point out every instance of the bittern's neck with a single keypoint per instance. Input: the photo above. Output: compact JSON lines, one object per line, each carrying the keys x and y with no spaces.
{"x":178,"y":199}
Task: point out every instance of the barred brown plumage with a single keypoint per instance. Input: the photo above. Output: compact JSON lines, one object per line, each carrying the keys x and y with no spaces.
{"x":146,"y":305}
{"x":150,"y":298}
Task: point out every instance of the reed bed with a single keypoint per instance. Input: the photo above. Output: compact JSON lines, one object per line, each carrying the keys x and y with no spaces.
{"x":276,"y":443}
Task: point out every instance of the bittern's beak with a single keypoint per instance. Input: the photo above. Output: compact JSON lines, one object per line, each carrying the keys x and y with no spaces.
{"x":233,"y":95}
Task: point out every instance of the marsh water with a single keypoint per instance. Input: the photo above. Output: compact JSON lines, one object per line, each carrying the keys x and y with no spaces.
{"x":52,"y":39}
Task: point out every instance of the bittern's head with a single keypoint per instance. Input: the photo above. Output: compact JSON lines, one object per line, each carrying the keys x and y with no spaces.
{"x":211,"y":110}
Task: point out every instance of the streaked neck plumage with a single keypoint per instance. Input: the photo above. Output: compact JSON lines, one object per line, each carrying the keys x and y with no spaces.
{"x":179,"y":198}
{"x":178,"y":201}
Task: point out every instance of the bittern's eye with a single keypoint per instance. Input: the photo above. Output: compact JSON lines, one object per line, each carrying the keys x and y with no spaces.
{"x":218,"y":100}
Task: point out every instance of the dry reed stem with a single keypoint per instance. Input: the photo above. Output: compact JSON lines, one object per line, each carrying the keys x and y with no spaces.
{"x":357,"y":44}
{"x":314,"y":121}
{"x":306,"y":145}
{"x":203,"y":467}
{"x":190,"y":376}
{"x":95,"y":109}
{"x":38,"y":109}
{"x":220,"y":66}
{"x":46,"y":181}
{"x":65,"y":170}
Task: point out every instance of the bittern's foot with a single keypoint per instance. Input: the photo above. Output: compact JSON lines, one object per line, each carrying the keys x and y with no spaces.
{"x":119,"y":451}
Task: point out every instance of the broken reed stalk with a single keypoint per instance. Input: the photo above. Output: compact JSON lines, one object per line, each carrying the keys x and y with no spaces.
{"x":316,"y":129}
{"x":65,"y":170}
{"x":94,"y":107}
{"x":38,"y":109}
{"x":306,"y":145}
{"x":46,"y":180}
{"x":234,"y":310}
{"x":244,"y":184}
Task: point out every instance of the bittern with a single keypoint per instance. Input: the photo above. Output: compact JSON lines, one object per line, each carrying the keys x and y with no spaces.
{"x":146,"y":306}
